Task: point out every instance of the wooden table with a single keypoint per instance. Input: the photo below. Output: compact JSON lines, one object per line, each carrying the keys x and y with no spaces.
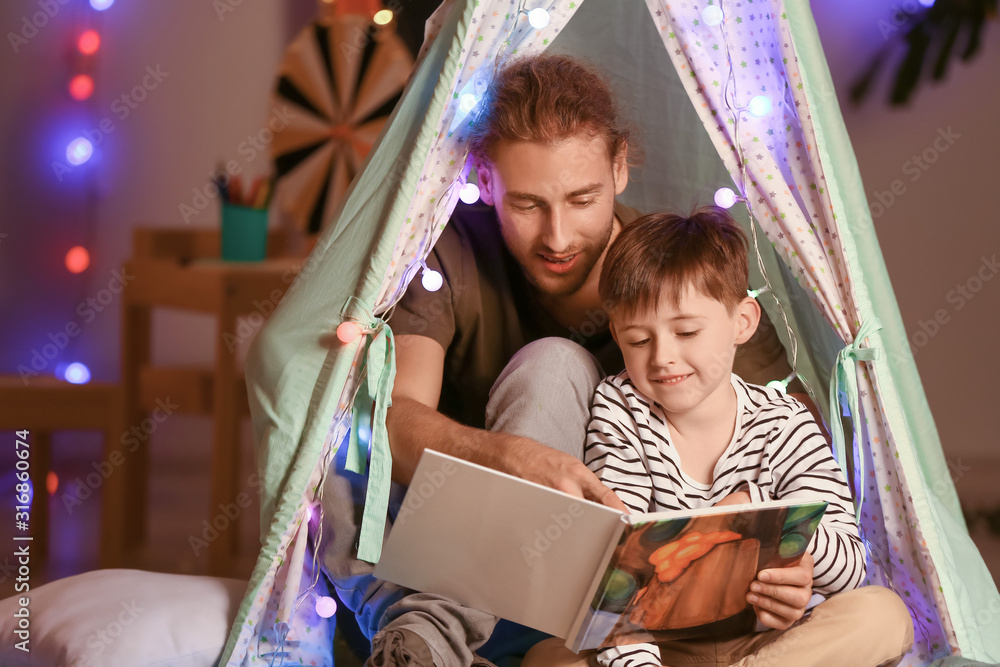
{"x":178,"y":268}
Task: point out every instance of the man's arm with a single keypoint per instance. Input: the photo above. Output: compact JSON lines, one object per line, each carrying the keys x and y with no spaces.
{"x":414,"y":423}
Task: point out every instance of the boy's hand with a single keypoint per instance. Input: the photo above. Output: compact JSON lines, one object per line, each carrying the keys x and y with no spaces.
{"x":779,"y":595}
{"x":735,"y":498}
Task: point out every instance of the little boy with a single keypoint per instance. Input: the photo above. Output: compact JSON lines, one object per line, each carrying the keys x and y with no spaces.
{"x":677,"y":430}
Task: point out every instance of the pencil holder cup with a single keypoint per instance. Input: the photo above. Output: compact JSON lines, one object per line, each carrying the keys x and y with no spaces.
{"x":244,"y":233}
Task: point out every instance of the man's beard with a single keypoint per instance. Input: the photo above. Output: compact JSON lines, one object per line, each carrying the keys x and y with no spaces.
{"x":572,"y":282}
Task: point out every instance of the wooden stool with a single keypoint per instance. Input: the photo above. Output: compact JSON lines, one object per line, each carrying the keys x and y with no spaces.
{"x":44,"y":405}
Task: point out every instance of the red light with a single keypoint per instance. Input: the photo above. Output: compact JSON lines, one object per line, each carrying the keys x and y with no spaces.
{"x":77,"y":259}
{"x":81,"y":87}
{"x":51,"y":483}
{"x":89,"y":42}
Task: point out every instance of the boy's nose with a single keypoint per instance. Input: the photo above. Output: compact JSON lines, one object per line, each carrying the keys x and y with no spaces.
{"x":664,"y":352}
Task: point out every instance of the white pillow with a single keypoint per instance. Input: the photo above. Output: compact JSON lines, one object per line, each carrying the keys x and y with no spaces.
{"x":123,"y":618}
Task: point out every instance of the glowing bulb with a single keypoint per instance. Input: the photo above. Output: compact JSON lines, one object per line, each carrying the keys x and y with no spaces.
{"x":364,"y":433}
{"x":326,"y":606}
{"x":725,"y":198}
{"x":348,"y":332}
{"x":382,"y":16}
{"x":77,"y":373}
{"x":926,"y":3}
{"x":467,"y":103}
{"x":780,"y":385}
{"x":88,"y":42}
{"x":469,"y":193}
{"x":310,"y":512}
{"x":431,"y":280}
{"x":79,"y":151}
{"x":760,"y":106}
{"x":51,"y":483}
{"x":538,"y":18}
{"x":101,"y":5}
{"x":77,"y":259}
{"x":712,"y":15}
{"x":81,"y":87}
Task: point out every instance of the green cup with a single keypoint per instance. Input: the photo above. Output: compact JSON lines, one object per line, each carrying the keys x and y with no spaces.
{"x":244,"y":233}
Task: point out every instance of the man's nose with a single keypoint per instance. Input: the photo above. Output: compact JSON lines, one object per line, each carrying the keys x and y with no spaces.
{"x":555,"y":234}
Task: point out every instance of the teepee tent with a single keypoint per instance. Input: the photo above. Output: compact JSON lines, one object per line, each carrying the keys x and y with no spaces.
{"x":685,"y":77}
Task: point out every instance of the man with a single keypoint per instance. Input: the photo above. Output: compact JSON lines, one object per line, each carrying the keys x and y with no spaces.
{"x":492,"y":348}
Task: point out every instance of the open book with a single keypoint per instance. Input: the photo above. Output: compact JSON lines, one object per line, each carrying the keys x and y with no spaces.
{"x":583,"y":571}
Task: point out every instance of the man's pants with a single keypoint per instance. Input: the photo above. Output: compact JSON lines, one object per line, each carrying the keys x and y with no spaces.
{"x":544,"y":393}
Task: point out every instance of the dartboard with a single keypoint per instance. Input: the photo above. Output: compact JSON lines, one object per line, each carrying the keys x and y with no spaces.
{"x":340,"y":79}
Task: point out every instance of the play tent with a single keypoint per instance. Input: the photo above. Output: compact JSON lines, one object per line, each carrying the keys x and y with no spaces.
{"x":670,"y":64}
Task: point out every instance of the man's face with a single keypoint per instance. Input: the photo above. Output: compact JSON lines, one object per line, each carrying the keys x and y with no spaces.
{"x":555,"y":204}
{"x":681,"y":356}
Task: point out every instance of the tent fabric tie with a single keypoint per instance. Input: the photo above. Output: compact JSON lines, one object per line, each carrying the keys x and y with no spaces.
{"x":380,"y":361}
{"x":844,"y":379}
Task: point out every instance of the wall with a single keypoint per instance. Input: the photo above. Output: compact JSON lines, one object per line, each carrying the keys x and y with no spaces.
{"x":939,"y":231}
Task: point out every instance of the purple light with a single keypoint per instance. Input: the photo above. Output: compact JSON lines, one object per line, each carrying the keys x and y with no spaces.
{"x":326,"y":606}
{"x":79,"y":151}
{"x":101,"y":5}
{"x":77,"y":373}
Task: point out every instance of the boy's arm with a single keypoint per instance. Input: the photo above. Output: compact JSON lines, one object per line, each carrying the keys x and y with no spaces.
{"x":610,"y":451}
{"x":414,"y":423}
{"x":630,"y":655}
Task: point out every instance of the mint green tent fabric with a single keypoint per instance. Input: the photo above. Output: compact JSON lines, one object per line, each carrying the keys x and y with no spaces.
{"x":302,"y":380}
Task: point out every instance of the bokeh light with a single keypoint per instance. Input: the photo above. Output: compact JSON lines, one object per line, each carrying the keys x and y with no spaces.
{"x":89,"y":42}
{"x":79,"y":151}
{"x":77,"y":259}
{"x":81,"y":87}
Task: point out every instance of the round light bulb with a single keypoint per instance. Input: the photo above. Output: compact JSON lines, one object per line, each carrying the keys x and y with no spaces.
{"x":469,"y":193}
{"x":760,"y":105}
{"x":926,"y":3}
{"x":431,"y":280}
{"x":88,"y":42}
{"x":77,"y":259}
{"x":348,"y":332}
{"x":51,"y":482}
{"x":725,"y":198}
{"x":81,"y":87}
{"x":101,"y":5}
{"x":77,"y":373}
{"x":79,"y":151}
{"x":467,"y":102}
{"x":538,"y":18}
{"x":383,"y":16}
{"x":326,"y":606}
{"x":780,"y":385}
{"x":712,"y":15}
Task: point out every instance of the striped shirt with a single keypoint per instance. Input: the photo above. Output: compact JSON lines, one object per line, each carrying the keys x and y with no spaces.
{"x":777,"y":453}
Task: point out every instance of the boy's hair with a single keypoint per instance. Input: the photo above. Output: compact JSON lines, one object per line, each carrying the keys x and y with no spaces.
{"x":545,"y":99}
{"x":706,"y":250}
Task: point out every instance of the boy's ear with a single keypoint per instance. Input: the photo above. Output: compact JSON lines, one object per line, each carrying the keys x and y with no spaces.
{"x":485,"y":177}
{"x":747,"y":319}
{"x":614,"y":334}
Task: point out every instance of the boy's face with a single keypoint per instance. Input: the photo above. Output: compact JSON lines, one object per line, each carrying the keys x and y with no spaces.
{"x":682,"y":356}
{"x":555,"y":203}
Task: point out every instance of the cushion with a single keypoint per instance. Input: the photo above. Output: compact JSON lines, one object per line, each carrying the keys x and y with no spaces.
{"x":122,"y":618}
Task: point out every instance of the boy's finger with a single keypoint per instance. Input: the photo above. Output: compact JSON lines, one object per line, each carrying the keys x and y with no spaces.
{"x":794,"y":596}
{"x":772,"y":620}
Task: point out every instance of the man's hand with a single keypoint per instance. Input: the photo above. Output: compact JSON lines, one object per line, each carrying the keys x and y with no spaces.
{"x":779,"y":595}
{"x":549,"y":467}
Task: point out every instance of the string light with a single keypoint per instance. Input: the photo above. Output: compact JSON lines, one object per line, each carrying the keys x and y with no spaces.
{"x":77,"y":373}
{"x":348,"y":332}
{"x":712,"y":15}
{"x":431,"y":279}
{"x":754,"y":293}
{"x":326,"y":606}
{"x":538,"y":18}
{"x":725,"y":198}
{"x":89,"y":42}
{"x":101,"y":5}
{"x":382,"y":16}
{"x":469,"y":193}
{"x":760,"y":105}
{"x":79,"y":151}
{"x":77,"y":259}
{"x":81,"y":87}
{"x":781,"y":385}
{"x":51,"y":482}
{"x":467,"y":103}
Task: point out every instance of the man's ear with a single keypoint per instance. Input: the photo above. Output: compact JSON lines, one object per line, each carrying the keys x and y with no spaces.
{"x":486,"y":183}
{"x":747,"y":319}
{"x":620,"y":169}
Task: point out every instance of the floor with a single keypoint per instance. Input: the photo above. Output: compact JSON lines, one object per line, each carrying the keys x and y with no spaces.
{"x":179,"y":502}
